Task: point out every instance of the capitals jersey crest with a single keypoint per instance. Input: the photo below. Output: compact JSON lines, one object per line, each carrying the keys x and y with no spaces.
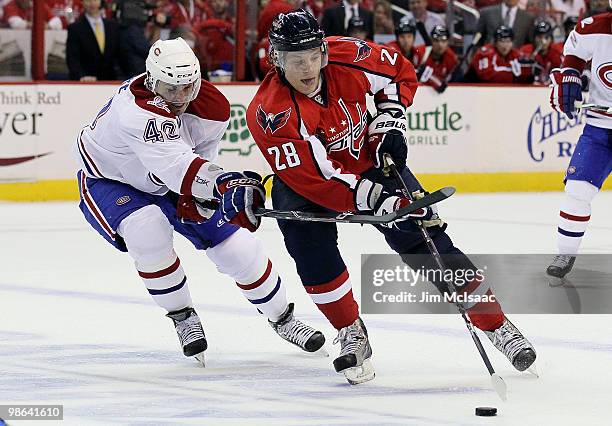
{"x":363,"y":49}
{"x":272,"y":121}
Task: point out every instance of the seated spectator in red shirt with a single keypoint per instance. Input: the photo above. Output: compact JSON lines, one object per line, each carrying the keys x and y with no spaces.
{"x":404,"y":34}
{"x":545,"y":55}
{"x":216,"y":36}
{"x":500,"y":62}
{"x":186,"y":13}
{"x":18,"y":15}
{"x":270,"y":11}
{"x":435,"y":69}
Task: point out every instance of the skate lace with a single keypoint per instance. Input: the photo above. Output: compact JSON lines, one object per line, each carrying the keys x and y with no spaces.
{"x":561,"y":260}
{"x":296,"y":332}
{"x":509,"y":340}
{"x":350,"y":339}
{"x":189,"y":330}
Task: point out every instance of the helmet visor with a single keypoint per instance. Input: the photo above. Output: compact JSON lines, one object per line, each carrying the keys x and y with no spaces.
{"x":178,"y":93}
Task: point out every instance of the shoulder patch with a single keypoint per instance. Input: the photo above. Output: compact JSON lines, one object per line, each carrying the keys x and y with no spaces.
{"x":159,"y":102}
{"x":147,"y":100}
{"x":272,"y":121}
{"x":363,"y":50}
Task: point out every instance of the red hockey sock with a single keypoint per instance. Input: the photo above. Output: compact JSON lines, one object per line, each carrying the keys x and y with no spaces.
{"x":335,"y":300}
{"x":486,"y":316}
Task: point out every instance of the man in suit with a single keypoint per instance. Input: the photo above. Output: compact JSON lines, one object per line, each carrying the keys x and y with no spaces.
{"x":508,"y":14}
{"x":336,"y":19}
{"x":92,"y":47}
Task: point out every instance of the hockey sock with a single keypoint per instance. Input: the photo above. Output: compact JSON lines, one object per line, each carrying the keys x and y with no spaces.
{"x":485,"y":315}
{"x":335,"y":300}
{"x":242,"y":257}
{"x":574,"y":215}
{"x":167,"y":284}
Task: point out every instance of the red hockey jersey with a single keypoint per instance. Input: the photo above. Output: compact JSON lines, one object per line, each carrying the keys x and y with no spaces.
{"x":318,"y":146}
{"x":546,"y":62}
{"x":436,"y":71}
{"x":491,"y":67}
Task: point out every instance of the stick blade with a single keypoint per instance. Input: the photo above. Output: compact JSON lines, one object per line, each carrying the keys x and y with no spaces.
{"x":500,"y":386}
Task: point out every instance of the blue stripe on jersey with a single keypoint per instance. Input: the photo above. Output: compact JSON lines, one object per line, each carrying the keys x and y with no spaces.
{"x":269,"y":296}
{"x":168,"y":290}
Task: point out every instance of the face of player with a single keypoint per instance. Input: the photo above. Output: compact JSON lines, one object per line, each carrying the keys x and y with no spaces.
{"x":406,"y":41}
{"x":178,"y":96}
{"x":360,"y":34}
{"x":439,"y":46}
{"x":503,"y":46}
{"x":303,"y":69}
{"x":543,"y":41}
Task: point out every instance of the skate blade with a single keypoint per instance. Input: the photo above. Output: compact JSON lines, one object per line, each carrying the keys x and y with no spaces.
{"x":500,"y":386}
{"x":534,"y":371}
{"x":363,"y":373}
{"x":321,"y":352}
{"x":200,"y":359}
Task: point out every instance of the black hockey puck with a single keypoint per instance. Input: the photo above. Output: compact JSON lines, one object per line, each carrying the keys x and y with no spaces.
{"x":486,"y":411}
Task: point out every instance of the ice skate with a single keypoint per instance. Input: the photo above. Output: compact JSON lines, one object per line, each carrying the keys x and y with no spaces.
{"x":355,"y":352}
{"x":296,"y":332}
{"x":509,"y":341}
{"x":561,"y":265}
{"x":190,"y":333}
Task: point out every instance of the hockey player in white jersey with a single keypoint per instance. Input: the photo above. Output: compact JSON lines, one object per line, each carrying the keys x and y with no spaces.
{"x":591,"y":162}
{"x":146,"y":155}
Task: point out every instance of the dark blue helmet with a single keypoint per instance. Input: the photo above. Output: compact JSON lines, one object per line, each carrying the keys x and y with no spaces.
{"x":503,"y":32}
{"x":543,"y":28}
{"x":569,"y":23}
{"x":293,"y":31}
{"x":356,"y":23}
{"x":405,"y":27}
{"x":439,"y":32}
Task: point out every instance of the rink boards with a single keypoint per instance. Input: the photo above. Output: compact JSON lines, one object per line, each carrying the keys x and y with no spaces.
{"x":477,"y":138}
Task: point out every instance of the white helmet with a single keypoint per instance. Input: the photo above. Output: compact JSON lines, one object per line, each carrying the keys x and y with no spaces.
{"x":173,"y":71}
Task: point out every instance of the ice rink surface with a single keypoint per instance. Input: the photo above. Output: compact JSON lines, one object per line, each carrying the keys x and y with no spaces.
{"x":78,"y":328}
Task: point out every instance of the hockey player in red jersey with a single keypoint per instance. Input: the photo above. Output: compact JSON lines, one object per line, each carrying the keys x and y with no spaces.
{"x":435,"y":69}
{"x":543,"y":52}
{"x":405,"y":32}
{"x":309,"y":119}
{"x":500,"y":62}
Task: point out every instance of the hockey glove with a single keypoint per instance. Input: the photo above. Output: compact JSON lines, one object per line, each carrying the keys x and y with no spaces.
{"x":392,"y":143}
{"x":240,"y":194}
{"x":566,"y":90}
{"x":388,"y":203}
{"x":389,"y":119}
{"x":194,"y":211}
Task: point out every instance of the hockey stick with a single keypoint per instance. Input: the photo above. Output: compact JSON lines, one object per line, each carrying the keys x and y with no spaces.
{"x":593,"y":107}
{"x":347,"y":217}
{"x":498,"y":383}
{"x":465,"y":57}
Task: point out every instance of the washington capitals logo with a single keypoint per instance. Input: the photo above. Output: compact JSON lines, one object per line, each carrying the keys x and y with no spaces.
{"x":272,"y":121}
{"x":363,"y":50}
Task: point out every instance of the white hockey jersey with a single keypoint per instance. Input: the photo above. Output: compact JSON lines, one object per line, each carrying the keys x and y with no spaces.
{"x":592,"y":40}
{"x":135,"y":139}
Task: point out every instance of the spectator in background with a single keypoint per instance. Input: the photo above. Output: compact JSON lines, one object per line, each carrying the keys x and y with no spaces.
{"x":263,"y":56}
{"x":499,"y":63}
{"x":357,"y":29}
{"x":569,"y":7}
{"x":133,"y":18}
{"x":383,"y":18}
{"x":92,"y":47}
{"x":419,"y":13}
{"x":436,"y":68}
{"x":336,"y":19}
{"x":18,"y":15}
{"x":217,"y":39}
{"x":404,"y":40}
{"x":545,"y":55}
{"x":509,"y":15}
{"x":568,"y":25}
{"x":67,"y":10}
{"x":596,"y":7}
{"x":220,"y":9}
{"x":316,"y":8}
{"x":186,"y":12}
{"x":270,"y":11}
